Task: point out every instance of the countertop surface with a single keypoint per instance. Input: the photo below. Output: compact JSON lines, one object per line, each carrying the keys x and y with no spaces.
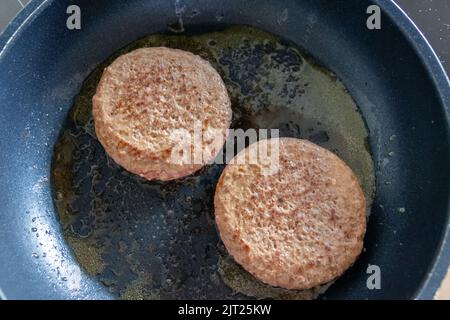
{"x":431,"y":16}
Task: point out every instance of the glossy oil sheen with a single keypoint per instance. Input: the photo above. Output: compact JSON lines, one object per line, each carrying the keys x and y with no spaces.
{"x":158,"y":239}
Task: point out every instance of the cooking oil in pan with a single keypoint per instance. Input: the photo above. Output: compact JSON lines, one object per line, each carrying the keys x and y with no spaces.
{"x":153,"y":240}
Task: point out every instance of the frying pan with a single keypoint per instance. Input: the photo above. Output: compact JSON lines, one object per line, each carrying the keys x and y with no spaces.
{"x":391,"y":73}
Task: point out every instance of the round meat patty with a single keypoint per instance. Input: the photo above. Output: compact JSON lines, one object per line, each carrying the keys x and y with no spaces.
{"x":161,"y":113}
{"x":298,"y":228}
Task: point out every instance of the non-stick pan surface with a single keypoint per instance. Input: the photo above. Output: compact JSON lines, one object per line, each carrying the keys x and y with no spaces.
{"x":392,"y":74}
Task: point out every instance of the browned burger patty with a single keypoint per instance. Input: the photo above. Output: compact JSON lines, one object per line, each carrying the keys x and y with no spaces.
{"x":298,"y":228}
{"x":145,"y":96}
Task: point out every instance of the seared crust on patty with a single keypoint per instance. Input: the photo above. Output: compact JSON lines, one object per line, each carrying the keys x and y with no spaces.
{"x":145,"y":96}
{"x":298,"y":228}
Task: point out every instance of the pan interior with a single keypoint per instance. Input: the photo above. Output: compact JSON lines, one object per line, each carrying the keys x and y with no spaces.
{"x":152,"y":240}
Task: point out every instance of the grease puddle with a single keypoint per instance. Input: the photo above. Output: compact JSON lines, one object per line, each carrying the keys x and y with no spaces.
{"x":156,"y":240}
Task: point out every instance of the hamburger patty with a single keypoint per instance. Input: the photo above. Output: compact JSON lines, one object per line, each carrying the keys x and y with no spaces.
{"x":298,"y":228}
{"x":148,"y":104}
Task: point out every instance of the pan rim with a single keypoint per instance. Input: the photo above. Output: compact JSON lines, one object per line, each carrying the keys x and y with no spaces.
{"x":441,"y":262}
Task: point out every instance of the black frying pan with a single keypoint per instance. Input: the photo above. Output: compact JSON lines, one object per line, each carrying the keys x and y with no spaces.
{"x":158,"y":239}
